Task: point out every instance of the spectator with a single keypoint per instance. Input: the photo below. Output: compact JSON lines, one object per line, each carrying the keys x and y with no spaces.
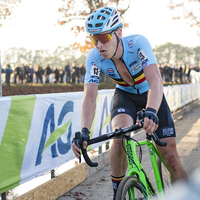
{"x":17,"y":74}
{"x":62,"y":73}
{"x":21,"y":73}
{"x":8,"y":73}
{"x":74,"y":75}
{"x":68,"y":72}
{"x":75,"y":71}
{"x":187,"y":73}
{"x":78,"y":73}
{"x":47,"y":72}
{"x":26,"y":71}
{"x":30,"y":74}
{"x":36,"y":72}
{"x":180,"y":73}
{"x":39,"y":73}
{"x":184,"y":75}
{"x":56,"y":72}
{"x":166,"y":73}
{"x":82,"y":72}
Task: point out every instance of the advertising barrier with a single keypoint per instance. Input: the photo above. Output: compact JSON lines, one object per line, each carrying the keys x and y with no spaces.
{"x":36,"y":130}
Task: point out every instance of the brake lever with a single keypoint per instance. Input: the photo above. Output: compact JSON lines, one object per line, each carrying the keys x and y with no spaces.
{"x":78,"y":142}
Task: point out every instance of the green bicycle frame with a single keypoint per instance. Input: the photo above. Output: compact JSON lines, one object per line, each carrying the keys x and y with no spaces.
{"x":136,"y":168}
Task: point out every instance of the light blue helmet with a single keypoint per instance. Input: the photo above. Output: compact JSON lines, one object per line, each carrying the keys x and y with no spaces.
{"x":103,"y":19}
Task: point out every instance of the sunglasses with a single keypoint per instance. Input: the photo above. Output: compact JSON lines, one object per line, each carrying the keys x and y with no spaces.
{"x":104,"y":38}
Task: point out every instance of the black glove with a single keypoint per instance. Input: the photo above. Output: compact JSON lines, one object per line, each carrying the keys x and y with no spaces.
{"x":85,"y":134}
{"x":151,"y":114}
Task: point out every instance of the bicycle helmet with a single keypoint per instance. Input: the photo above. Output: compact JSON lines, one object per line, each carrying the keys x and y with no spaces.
{"x":103,"y":19}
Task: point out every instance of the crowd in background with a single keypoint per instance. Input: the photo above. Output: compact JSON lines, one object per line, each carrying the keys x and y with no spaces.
{"x":74,"y":73}
{"x":26,"y":73}
{"x":177,"y":73}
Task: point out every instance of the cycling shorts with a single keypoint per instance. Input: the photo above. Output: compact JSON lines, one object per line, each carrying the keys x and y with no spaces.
{"x":128,"y":103}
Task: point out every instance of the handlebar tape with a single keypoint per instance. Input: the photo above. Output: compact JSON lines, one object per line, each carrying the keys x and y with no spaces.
{"x":158,"y":141}
{"x":87,"y":159}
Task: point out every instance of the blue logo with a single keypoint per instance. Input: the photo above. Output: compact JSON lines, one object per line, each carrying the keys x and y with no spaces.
{"x":63,"y":147}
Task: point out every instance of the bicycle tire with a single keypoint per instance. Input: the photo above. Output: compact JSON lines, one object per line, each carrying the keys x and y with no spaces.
{"x":164,"y":175}
{"x":129,"y":182}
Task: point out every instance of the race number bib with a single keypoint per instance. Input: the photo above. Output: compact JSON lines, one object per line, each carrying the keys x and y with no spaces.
{"x":142,"y":55}
{"x":95,"y":71}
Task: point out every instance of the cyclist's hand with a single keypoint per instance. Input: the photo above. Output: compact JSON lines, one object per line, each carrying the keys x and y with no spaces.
{"x":76,"y":150}
{"x":84,"y":137}
{"x":151,"y":120}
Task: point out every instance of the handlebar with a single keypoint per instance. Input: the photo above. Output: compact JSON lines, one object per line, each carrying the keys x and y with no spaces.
{"x":117,"y":133}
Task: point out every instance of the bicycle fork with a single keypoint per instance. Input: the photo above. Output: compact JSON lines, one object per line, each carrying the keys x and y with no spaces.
{"x":136,"y":169}
{"x":153,"y":152}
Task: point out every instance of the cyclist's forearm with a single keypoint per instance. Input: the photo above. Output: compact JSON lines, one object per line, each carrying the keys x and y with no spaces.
{"x":87,"y":113}
{"x":155,"y":95}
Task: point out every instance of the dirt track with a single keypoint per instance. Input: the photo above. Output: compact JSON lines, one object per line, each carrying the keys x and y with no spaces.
{"x":99,"y":186}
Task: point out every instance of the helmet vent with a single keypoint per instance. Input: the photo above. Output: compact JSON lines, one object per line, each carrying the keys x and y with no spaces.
{"x":108,"y":22}
{"x":90,"y":25}
{"x":101,"y":17}
{"x":105,"y":12}
{"x":115,"y":17}
{"x":90,"y":18}
{"x":108,"y":8}
{"x":98,"y":25}
{"x":114,"y":23}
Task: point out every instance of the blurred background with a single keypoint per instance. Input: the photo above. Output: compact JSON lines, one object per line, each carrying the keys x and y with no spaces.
{"x":44,"y":41}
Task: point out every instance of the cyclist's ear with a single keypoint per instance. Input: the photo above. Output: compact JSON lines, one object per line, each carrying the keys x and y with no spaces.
{"x":119,"y":32}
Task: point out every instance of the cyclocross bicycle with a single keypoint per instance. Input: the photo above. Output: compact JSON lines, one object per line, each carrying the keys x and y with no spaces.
{"x":136,"y":185}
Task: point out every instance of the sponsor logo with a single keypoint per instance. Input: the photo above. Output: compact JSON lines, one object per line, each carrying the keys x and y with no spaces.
{"x":135,"y":67}
{"x":114,"y":12}
{"x":95,"y":77}
{"x":93,"y":64}
{"x":120,"y":110}
{"x":168,"y":132}
{"x":93,"y":81}
{"x":58,"y":146}
{"x":94,"y":30}
{"x":132,"y":63}
{"x":145,"y":61}
{"x":110,"y":70}
{"x":130,"y":44}
{"x":144,"y":65}
{"x":111,"y":75}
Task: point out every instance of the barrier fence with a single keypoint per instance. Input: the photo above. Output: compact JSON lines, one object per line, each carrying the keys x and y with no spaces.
{"x":36,"y":130}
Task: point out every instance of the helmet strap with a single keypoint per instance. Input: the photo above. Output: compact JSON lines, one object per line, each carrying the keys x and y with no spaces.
{"x":118,"y":40}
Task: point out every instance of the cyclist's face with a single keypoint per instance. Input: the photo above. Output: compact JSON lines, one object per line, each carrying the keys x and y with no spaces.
{"x":107,"y":49}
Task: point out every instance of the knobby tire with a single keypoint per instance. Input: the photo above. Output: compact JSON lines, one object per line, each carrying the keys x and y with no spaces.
{"x":129,"y":182}
{"x":165,"y":176}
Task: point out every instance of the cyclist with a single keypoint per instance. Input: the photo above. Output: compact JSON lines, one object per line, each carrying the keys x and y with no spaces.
{"x":130,"y":62}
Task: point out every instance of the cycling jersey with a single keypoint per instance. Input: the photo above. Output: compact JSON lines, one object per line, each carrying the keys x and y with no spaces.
{"x":137,"y":54}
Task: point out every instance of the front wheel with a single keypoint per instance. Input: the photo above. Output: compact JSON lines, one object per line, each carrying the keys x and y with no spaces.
{"x":165,"y":176}
{"x":129,"y":189}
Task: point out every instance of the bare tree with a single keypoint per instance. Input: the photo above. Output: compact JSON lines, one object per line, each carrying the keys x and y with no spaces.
{"x":188,"y":10}
{"x":77,"y":11}
{"x":6,"y":8}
